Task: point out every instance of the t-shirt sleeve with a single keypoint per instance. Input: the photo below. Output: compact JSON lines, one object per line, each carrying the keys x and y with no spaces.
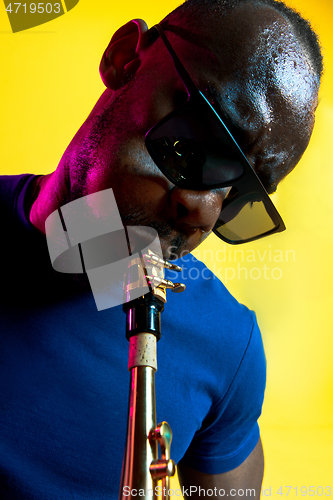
{"x":14,"y":195}
{"x":230,"y":431}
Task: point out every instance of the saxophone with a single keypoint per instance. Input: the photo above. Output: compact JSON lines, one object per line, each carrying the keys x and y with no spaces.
{"x":143,"y":468}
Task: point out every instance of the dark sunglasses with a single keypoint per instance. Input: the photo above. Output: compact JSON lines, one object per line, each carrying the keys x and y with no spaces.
{"x":195,"y":150}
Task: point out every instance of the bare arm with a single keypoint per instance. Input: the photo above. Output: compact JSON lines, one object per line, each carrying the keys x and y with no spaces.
{"x":247,"y":478}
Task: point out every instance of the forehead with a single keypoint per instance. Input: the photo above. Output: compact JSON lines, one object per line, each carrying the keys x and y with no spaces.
{"x":253,"y":67}
{"x":251,"y":47}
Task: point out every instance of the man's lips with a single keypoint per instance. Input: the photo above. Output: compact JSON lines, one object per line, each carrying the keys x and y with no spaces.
{"x":182,"y":240}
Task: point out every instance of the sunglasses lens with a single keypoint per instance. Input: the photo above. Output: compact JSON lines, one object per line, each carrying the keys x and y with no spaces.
{"x":193,"y":151}
{"x":246,"y":218}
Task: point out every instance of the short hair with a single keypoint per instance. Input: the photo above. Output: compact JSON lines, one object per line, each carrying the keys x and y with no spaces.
{"x":202,"y":9}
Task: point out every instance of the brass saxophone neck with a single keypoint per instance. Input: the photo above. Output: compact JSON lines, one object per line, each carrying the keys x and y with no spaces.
{"x":142,"y":466}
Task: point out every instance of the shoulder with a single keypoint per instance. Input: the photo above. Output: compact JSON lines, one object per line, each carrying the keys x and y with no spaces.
{"x":217,"y":332}
{"x":222,"y":350}
{"x":10,"y":184}
{"x":13,"y":189}
{"x":206,"y":295}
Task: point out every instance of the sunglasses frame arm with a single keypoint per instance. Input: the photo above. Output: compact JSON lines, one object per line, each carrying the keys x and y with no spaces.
{"x":185,"y":77}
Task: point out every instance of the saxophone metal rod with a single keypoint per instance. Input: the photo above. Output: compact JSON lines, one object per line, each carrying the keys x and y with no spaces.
{"x":140,"y":451}
{"x":142,"y":466}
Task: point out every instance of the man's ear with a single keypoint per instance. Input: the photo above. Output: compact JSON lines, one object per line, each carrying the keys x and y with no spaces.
{"x":121,"y":58}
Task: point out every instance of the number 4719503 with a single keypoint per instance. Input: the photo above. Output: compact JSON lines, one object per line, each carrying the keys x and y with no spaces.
{"x":32,"y":8}
{"x":305,"y":490}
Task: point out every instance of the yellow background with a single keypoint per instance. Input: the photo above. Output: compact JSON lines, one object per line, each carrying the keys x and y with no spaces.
{"x":49,"y":83}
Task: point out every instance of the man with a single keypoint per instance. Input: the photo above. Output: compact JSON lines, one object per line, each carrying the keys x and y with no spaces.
{"x":64,"y":364}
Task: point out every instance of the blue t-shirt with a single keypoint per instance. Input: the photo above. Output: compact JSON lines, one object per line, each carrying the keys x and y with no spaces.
{"x":64,"y":381}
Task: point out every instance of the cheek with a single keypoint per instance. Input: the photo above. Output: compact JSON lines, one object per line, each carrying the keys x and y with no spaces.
{"x":153,"y":95}
{"x":133,"y":161}
{"x":137,"y":181}
{"x":144,"y":191}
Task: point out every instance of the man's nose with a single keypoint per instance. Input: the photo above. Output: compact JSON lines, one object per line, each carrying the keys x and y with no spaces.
{"x":197,"y":209}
